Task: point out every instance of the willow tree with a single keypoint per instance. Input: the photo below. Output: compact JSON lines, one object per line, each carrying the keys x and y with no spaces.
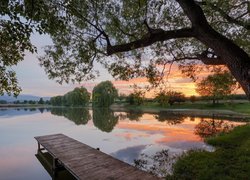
{"x":130,"y":38}
{"x":104,"y":94}
{"x":77,"y":97}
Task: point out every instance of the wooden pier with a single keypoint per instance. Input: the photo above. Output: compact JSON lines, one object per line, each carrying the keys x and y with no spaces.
{"x":85,"y":162}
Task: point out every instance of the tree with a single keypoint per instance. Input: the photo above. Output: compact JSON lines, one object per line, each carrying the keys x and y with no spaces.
{"x":77,"y":97}
{"x":162,"y":98}
{"x":122,"y":97}
{"x":137,"y":97}
{"x":189,"y":32}
{"x":169,"y":97}
{"x":175,"y":96}
{"x":41,"y":101}
{"x":56,"y":101}
{"x":17,"y":102}
{"x":104,"y":94}
{"x":31,"y":102}
{"x":3,"y":102}
{"x":193,"y":99}
{"x":216,"y":86}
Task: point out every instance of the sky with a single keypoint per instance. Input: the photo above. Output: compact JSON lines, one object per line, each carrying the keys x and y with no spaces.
{"x":34,"y":81}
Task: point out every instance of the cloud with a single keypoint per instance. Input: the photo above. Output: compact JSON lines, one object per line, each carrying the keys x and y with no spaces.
{"x":129,"y":154}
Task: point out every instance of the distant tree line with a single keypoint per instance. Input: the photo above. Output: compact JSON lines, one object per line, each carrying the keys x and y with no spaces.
{"x":103,"y":95}
{"x":41,"y":101}
{"x":77,"y":97}
{"x":214,"y":87}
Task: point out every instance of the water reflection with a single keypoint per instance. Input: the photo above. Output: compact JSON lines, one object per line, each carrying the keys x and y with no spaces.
{"x":129,"y":134}
{"x":170,"y":117}
{"x":134,"y":115}
{"x":46,"y":161}
{"x":210,"y":127}
{"x":77,"y":115}
{"x":134,"y":153}
{"x":104,"y":119}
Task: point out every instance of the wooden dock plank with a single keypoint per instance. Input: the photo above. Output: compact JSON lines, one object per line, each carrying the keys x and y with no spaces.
{"x":85,"y":162}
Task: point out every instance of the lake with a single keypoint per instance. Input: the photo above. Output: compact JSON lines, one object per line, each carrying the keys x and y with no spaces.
{"x":123,"y":135}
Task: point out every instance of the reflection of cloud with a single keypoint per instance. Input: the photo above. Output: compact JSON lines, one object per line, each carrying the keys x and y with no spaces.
{"x":127,"y":136}
{"x":175,"y":135}
{"x":130,"y":136}
{"x":129,"y":154}
{"x":190,"y":145}
{"x":164,"y":133}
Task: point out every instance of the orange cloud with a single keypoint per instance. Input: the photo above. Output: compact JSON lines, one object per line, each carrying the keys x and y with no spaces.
{"x":175,"y":80}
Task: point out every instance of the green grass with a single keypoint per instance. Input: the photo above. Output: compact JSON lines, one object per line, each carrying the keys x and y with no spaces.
{"x":237,"y":107}
{"x":230,"y":160}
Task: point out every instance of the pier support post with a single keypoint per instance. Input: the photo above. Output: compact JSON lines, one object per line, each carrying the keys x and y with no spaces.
{"x":54,"y":167}
{"x":39,"y":146}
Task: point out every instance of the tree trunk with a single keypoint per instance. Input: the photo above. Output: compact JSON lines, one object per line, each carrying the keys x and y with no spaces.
{"x":231,"y":55}
{"x":235,"y":58}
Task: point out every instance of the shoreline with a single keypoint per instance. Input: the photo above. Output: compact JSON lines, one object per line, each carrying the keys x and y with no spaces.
{"x":228,"y":114}
{"x":191,"y":112}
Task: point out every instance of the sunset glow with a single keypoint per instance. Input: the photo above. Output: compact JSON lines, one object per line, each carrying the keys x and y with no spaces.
{"x":175,"y":81}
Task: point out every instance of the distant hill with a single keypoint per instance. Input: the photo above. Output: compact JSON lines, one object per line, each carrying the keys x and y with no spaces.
{"x":22,"y":97}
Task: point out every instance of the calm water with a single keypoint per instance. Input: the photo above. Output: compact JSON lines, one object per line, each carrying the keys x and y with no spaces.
{"x":124,"y":135}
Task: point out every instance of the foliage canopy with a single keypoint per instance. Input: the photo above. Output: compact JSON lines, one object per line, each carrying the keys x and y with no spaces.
{"x":139,"y":37}
{"x":77,"y":97}
{"x":218,"y":85}
{"x":104,"y":94}
{"x":169,"y":97}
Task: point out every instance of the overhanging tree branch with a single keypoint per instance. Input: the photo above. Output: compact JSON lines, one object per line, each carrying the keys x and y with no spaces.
{"x":226,"y":16}
{"x":205,"y":60}
{"x":156,"y":35}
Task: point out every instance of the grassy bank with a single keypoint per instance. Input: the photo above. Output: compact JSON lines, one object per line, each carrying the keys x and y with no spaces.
{"x":230,"y":160}
{"x":235,"y":107}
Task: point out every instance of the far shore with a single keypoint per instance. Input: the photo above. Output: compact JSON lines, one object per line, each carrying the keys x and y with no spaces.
{"x":24,"y":105}
{"x":181,"y":110}
{"x":220,"y":113}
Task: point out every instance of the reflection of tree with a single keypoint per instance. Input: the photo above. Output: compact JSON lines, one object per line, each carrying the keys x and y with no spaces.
{"x":41,"y":110}
{"x":104,"y":119}
{"x":170,"y":117}
{"x":77,"y":115}
{"x":210,"y":127}
{"x":134,"y":115}
{"x":159,"y":164}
